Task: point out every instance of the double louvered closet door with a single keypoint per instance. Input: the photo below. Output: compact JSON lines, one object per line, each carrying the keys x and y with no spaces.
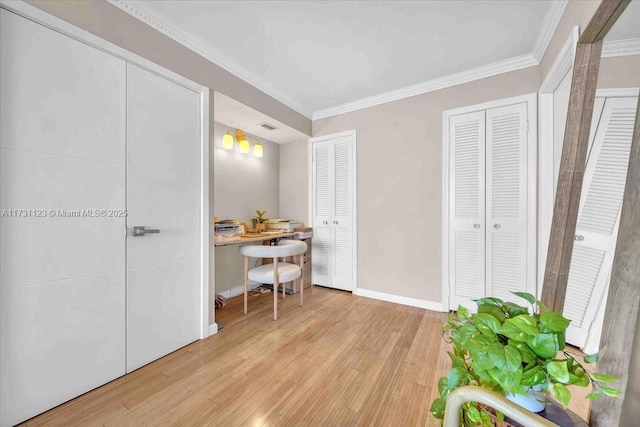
{"x":488,"y":181}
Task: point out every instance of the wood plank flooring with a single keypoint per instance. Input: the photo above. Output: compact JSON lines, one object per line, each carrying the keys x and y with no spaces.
{"x":340,"y":360}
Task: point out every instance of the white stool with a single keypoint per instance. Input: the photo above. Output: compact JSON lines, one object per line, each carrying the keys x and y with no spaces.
{"x":276,"y":273}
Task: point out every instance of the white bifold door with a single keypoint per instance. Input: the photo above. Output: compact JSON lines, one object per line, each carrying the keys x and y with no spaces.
{"x":332,"y":194}
{"x":84,"y":137}
{"x":599,"y":215}
{"x":488,"y":184}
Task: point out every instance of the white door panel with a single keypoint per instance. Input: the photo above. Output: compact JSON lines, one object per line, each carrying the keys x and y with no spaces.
{"x":151,"y":101}
{"x":506,"y":201}
{"x":163,"y":298}
{"x":59,"y":340}
{"x":66,"y":247}
{"x":168,"y":201}
{"x":599,"y":215}
{"x":62,"y":130}
{"x":163,"y":269}
{"x":50,"y":81}
{"x":467,"y":208}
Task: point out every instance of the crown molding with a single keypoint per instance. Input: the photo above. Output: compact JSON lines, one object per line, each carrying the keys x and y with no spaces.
{"x":621,"y":48}
{"x":549,"y":25}
{"x":511,"y":64}
{"x":170,"y":29}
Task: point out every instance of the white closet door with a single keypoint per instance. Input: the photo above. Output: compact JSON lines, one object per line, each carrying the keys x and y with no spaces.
{"x":62,"y":150}
{"x":342,"y":217}
{"x":163,"y":193}
{"x":467,"y":208}
{"x":506,"y":196}
{"x":599,"y":216}
{"x":321,"y":206}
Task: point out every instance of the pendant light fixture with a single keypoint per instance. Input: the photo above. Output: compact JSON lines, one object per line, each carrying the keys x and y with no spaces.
{"x":243,"y":143}
{"x":257,"y":149}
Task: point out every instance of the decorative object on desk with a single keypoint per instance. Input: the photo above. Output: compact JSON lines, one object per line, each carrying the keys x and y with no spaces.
{"x":507,"y":349}
{"x":243,"y":143}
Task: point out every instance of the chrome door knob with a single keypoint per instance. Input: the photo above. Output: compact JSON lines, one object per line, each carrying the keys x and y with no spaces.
{"x":496,"y":226}
{"x":335,"y":222}
{"x":476,"y":226}
{"x":325,"y":222}
{"x":579,"y":238}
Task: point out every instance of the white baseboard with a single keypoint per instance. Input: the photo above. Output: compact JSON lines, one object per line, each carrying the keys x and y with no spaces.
{"x":213,"y":329}
{"x":237,"y":290}
{"x":413,"y":302}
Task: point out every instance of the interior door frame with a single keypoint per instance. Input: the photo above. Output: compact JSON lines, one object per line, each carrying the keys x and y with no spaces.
{"x":354,"y":198}
{"x":532,"y":163}
{"x":36,"y":15}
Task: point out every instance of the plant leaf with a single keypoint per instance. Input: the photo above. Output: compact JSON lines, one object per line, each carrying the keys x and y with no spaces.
{"x":612,"y":392}
{"x":481,"y":361}
{"x":437,"y":408}
{"x":527,"y":324}
{"x":527,"y":354}
{"x":593,"y":396}
{"x":603,"y":378}
{"x":488,"y":300}
{"x":541,"y":306}
{"x":530,"y":298}
{"x":486,"y":324}
{"x":492,"y":310}
{"x":533,"y":376}
{"x":507,"y":380}
{"x":510,"y":330}
{"x":514,"y":309}
{"x":455,"y":360}
{"x":457,"y":377}
{"x":560,"y":393}
{"x":505,"y":357}
{"x":463,"y":312}
{"x":544,"y":345}
{"x":473,"y":415}
{"x":553,"y":322}
{"x":558,"y":371}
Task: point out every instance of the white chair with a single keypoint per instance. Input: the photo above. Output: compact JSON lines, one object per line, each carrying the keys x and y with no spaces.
{"x":276,"y":273}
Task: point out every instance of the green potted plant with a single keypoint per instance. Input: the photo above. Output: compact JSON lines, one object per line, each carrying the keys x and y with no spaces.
{"x":514,"y":352}
{"x":259,"y":219}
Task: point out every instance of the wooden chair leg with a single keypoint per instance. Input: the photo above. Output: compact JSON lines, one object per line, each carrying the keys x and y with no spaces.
{"x":246,"y":282}
{"x":301,"y":280}
{"x":275,"y":288}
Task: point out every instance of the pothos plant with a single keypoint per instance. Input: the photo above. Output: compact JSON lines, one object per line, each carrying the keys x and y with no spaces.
{"x":508,"y":349}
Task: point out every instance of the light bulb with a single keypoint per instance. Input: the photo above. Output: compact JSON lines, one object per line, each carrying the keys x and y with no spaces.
{"x":257,"y":150}
{"x":244,"y":146}
{"x":227,"y":141}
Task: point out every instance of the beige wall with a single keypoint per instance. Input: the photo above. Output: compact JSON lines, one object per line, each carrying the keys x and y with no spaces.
{"x":621,"y":71}
{"x":399,"y":182}
{"x":104,"y":20}
{"x":243,"y":183}
{"x":294,"y":187}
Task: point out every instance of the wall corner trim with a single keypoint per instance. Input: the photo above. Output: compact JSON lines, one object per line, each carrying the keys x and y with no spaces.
{"x":213,"y":329}
{"x":413,"y":302}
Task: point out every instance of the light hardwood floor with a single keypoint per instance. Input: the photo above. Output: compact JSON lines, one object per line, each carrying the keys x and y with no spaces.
{"x":340,"y":360}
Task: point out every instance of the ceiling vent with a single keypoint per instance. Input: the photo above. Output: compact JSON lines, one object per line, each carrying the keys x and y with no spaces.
{"x":267,"y":126}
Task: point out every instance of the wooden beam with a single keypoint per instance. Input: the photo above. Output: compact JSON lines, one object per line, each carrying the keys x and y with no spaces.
{"x":572,"y":164}
{"x":606,"y":15}
{"x":621,"y":312}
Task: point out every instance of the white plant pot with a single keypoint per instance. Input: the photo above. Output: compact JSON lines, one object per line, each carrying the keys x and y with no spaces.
{"x":533,"y":401}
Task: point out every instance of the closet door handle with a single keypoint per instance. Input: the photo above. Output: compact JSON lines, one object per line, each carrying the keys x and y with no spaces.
{"x":579,"y":238}
{"x":335,"y":222}
{"x":325,"y":222}
{"x":496,"y":226}
{"x":476,"y":226}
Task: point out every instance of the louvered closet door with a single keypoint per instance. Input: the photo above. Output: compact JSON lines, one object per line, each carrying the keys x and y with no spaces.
{"x":342,"y":154}
{"x":599,"y":215}
{"x":321,"y":205}
{"x":506,"y":196}
{"x":467,"y":208}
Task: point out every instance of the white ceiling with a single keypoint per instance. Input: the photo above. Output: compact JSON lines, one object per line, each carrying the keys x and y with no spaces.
{"x":315,"y":55}
{"x":319,"y":54}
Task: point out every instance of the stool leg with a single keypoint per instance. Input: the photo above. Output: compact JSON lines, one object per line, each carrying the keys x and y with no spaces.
{"x":246,"y":282}
{"x":275,"y":288}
